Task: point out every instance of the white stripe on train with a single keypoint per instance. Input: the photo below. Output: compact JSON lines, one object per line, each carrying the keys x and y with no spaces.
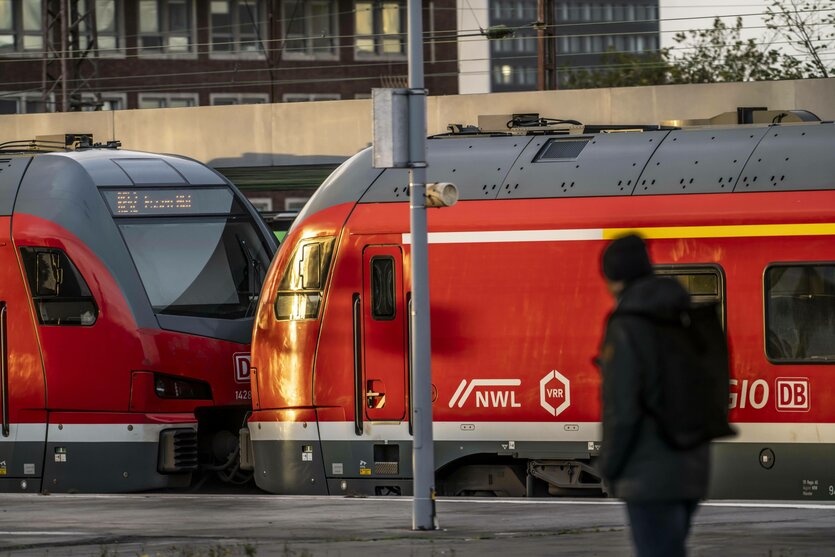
{"x":88,"y":433}
{"x":518,"y":432}
{"x":508,"y":236}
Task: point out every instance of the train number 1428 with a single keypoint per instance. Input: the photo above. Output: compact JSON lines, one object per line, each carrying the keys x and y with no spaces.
{"x":243,"y":395}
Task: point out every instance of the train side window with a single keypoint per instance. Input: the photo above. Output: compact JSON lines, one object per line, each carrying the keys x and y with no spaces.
{"x":302,"y":284}
{"x":800,"y":312}
{"x":705,"y":284}
{"x":383,"y":306}
{"x":60,"y":294}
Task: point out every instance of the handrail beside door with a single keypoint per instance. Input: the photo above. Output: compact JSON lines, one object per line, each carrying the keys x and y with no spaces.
{"x":4,"y":371}
{"x":359,"y":393}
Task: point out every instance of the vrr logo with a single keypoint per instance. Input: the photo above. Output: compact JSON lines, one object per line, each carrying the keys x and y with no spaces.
{"x":793,"y":394}
{"x":555,"y":393}
{"x":243,"y":364}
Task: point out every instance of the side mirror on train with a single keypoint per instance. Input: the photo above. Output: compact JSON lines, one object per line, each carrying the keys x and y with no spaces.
{"x":441,"y":194}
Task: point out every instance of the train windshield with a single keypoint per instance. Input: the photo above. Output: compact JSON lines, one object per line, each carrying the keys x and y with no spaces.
{"x":202,"y":265}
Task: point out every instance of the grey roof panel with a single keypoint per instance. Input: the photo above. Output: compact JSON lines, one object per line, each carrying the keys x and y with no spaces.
{"x":609,"y":164}
{"x":104,"y":172}
{"x":11,"y":171}
{"x":111,"y":167}
{"x":194,"y":172}
{"x":150,"y":171}
{"x":699,"y":161}
{"x":792,"y":157}
{"x":476,"y":165}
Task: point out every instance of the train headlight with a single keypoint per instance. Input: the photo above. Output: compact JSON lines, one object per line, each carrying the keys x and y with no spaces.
{"x":167,"y":386}
{"x":441,"y":194}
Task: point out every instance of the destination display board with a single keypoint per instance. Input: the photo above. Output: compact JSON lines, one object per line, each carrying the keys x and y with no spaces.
{"x":137,"y":202}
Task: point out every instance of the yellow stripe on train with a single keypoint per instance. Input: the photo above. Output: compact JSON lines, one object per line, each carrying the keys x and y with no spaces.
{"x":731,"y":231}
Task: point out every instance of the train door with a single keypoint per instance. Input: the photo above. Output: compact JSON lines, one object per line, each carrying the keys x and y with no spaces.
{"x":384,"y":334}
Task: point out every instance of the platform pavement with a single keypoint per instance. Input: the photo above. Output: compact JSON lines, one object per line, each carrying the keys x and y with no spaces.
{"x":263,"y":525}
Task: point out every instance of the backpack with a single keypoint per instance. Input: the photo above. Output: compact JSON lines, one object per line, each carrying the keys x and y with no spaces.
{"x":692,"y":408}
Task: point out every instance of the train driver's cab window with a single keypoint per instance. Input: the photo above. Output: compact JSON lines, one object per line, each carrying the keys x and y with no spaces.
{"x":303,"y":282}
{"x":800,"y":313}
{"x":705,"y":284}
{"x":59,"y":292}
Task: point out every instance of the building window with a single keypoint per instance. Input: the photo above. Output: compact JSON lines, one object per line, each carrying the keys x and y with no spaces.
{"x":527,"y":76}
{"x":262,"y":204}
{"x":108,"y":26}
{"x":173,"y":100}
{"x":109,"y":101}
{"x":380,"y":27}
{"x":310,"y":28}
{"x":165,"y":26}
{"x":237,"y":26}
{"x":800,"y":313}
{"x":109,"y":34}
{"x":24,"y":103}
{"x":227,"y":99}
{"x":20,"y":26}
{"x":295,"y":203}
{"x":503,"y":74}
{"x":305,"y":97}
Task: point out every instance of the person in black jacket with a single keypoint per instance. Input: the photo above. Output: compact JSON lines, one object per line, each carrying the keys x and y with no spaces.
{"x":660,"y":485}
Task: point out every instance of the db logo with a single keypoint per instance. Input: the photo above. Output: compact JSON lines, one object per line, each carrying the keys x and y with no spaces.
{"x":242,"y":366}
{"x":555,"y":393}
{"x":793,"y":394}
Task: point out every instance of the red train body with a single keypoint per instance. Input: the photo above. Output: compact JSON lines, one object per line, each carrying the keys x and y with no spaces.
{"x":119,"y":361}
{"x":744,"y":216}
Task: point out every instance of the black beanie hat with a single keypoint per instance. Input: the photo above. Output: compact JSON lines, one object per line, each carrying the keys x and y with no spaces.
{"x":626,"y":259}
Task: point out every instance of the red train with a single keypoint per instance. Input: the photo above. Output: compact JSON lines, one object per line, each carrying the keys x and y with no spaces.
{"x":127,"y":300}
{"x":743,"y":215}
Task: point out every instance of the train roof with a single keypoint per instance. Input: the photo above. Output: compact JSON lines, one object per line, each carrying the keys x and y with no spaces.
{"x":98,"y":167}
{"x":598,"y":161}
{"x":116,"y":167}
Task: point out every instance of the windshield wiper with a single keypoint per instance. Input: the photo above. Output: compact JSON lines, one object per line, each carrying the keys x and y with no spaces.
{"x":253,"y":273}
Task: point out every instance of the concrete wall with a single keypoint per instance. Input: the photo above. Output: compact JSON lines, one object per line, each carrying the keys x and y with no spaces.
{"x":320,"y":132}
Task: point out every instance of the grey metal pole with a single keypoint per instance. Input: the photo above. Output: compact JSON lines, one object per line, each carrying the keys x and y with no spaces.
{"x":423,"y":452}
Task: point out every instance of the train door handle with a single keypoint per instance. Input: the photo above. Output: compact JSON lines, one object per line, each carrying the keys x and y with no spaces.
{"x":375,"y":396}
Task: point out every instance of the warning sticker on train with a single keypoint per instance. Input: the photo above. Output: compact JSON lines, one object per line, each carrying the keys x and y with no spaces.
{"x":555,"y":393}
